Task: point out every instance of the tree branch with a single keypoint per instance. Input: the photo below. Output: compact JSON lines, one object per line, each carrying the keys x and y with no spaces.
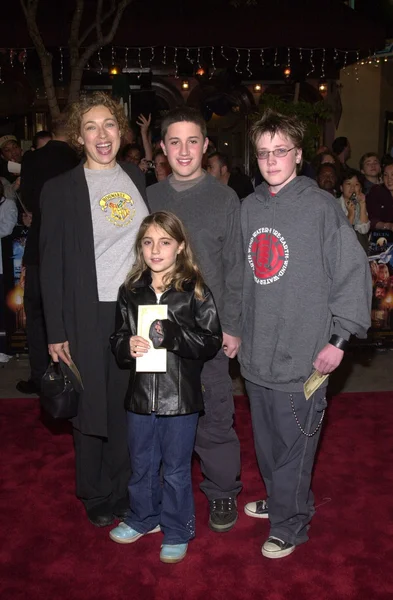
{"x":105,"y":39}
{"x":29,"y":7}
{"x":30,"y":11}
{"x":74,"y":33}
{"x":93,"y":26}
{"x":76,"y":22}
{"x":98,"y":19}
{"x":117,"y":9}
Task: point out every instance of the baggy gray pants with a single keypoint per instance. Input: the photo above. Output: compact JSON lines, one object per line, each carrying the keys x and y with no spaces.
{"x":286,"y":456}
{"x":217,"y":444}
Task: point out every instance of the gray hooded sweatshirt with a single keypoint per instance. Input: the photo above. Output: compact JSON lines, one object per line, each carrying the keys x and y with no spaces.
{"x":306,"y":278}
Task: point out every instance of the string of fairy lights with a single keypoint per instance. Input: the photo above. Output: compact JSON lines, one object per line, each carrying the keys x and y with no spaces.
{"x":204,"y":59}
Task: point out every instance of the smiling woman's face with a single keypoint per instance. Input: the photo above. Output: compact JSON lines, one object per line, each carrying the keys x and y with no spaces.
{"x":100,"y":136}
{"x":388,"y":177}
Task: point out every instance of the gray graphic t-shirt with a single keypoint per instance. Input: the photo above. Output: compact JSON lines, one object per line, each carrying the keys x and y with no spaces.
{"x":117,"y":210}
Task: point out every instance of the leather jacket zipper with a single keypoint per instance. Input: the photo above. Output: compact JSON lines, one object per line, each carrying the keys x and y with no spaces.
{"x":153,"y":408}
{"x":155,"y":382}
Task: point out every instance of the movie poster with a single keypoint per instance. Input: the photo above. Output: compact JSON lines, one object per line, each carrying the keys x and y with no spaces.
{"x":13,"y":247}
{"x":381,"y":265}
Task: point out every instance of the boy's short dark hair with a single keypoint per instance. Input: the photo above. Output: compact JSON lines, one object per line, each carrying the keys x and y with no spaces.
{"x":185,"y":114}
{"x":274,"y":123}
{"x":223,"y":159}
{"x":339,"y":144}
{"x":40,"y":135}
{"x":365,"y":157}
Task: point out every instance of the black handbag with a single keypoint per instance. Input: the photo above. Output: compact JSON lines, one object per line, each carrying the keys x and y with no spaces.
{"x":58,"y":396}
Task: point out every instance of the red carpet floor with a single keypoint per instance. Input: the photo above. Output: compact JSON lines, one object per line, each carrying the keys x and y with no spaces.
{"x":49,"y":550}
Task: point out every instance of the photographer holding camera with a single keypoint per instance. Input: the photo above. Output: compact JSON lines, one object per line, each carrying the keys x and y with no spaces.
{"x":353,"y":203}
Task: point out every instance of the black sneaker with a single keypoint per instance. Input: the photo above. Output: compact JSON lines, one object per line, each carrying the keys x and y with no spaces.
{"x":27,"y":387}
{"x":122,"y":508}
{"x":100,"y":516}
{"x":276,"y":548}
{"x":223,"y":514}
{"x":257,"y":509}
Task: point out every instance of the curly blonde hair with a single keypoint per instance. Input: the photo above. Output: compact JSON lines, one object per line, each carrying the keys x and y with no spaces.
{"x":186,"y":268}
{"x":78,"y":109}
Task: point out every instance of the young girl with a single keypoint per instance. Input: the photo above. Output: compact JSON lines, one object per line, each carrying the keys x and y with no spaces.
{"x":163,"y":408}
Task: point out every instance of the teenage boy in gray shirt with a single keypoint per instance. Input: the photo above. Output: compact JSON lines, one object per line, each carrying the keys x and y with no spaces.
{"x":306,"y":290}
{"x":210,"y":212}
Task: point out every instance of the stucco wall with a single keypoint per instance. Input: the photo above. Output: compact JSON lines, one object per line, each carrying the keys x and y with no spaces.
{"x":386,"y":100}
{"x":361,"y":114}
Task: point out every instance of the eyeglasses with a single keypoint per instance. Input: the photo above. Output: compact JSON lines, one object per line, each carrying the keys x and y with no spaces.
{"x":278,"y":153}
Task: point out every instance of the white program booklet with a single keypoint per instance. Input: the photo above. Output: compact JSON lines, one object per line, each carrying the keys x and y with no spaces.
{"x":154,"y":361}
{"x":13,"y":167}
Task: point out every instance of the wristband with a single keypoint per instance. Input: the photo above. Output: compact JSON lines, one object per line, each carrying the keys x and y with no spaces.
{"x":339,"y":342}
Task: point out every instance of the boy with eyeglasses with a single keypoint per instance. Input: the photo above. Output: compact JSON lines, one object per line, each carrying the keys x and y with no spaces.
{"x":304,"y":268}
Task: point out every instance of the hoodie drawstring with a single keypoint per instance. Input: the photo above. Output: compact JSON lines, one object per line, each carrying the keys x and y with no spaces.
{"x":270,"y":257}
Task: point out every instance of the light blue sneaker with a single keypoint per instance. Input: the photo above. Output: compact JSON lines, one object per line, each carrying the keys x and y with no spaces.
{"x":173,"y":553}
{"x":124,"y":534}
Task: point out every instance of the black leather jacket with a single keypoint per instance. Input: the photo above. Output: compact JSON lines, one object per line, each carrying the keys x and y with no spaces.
{"x":192,"y":335}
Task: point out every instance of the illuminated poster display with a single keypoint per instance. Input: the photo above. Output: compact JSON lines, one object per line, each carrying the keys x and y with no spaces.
{"x":381,"y":265}
{"x":15,"y":319}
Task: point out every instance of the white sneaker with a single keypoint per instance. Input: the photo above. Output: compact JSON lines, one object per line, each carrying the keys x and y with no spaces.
{"x":257,"y":509}
{"x":276,"y":548}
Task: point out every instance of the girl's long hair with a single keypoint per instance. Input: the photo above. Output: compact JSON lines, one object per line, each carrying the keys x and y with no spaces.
{"x":186,"y":268}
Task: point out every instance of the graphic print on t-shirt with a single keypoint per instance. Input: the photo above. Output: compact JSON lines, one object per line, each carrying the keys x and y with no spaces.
{"x":268,"y":255}
{"x":117,"y":207}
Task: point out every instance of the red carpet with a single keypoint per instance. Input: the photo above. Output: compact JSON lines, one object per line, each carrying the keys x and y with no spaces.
{"x":50,"y":551}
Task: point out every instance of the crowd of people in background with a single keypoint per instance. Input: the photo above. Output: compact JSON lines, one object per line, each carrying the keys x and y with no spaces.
{"x":330,"y":169}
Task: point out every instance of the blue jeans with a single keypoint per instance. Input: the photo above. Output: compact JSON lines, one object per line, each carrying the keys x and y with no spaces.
{"x":154,"y":440}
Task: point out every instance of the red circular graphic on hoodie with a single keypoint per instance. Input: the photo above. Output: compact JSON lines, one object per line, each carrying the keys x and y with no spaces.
{"x":260,"y":255}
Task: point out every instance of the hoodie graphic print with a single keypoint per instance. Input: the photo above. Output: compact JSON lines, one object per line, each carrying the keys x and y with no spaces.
{"x":268,"y":255}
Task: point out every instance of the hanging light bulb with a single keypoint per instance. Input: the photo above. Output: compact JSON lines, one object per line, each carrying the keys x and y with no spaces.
{"x":323,"y":88}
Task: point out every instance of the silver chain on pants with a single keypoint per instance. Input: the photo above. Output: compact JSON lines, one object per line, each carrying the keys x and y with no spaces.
{"x":298,"y":422}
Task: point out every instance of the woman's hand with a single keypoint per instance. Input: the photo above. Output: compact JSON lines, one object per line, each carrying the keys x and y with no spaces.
{"x":144,"y":123}
{"x":351,"y":208}
{"x":361,"y":198}
{"x":61,"y":351}
{"x":144,"y":165}
{"x":16,"y":185}
{"x":138,"y":346}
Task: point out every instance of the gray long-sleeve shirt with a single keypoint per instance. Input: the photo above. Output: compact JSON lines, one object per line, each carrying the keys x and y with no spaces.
{"x":210,"y":212}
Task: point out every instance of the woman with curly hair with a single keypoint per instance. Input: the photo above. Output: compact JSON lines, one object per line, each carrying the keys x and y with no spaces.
{"x":90,"y":219}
